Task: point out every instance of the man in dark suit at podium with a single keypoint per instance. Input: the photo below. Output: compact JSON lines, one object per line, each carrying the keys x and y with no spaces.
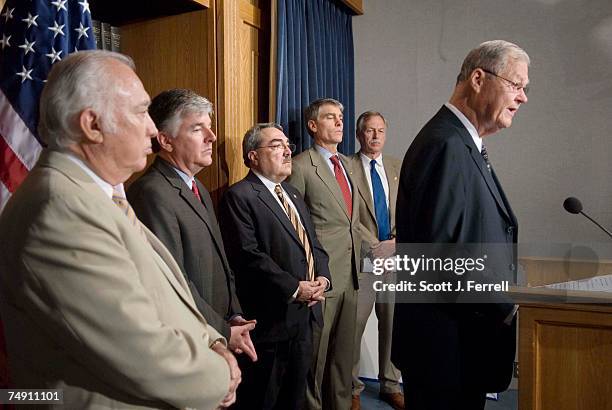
{"x":450,"y":355}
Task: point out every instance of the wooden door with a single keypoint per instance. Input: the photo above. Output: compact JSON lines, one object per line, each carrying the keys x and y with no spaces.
{"x":243,"y":77}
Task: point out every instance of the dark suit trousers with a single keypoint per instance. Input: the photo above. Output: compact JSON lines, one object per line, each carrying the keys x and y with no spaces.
{"x":278,"y":379}
{"x":419,"y":397}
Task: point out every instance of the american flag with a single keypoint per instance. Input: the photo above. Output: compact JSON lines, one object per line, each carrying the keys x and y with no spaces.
{"x":34,"y":34}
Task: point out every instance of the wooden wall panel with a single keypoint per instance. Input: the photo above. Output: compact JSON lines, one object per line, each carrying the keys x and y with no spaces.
{"x":178,"y":52}
{"x":565,"y":357}
{"x":239,"y":78}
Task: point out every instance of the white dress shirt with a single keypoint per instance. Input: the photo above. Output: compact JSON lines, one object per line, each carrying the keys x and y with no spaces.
{"x":107,"y":188}
{"x":467,"y":124}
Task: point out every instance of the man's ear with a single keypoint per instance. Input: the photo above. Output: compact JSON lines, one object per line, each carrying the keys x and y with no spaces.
{"x":90,"y":124}
{"x":253,"y":157}
{"x":477,"y":78}
{"x":165,"y":141}
{"x":312,"y":125}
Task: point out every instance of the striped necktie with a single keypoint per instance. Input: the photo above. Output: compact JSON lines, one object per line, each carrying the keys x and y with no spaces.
{"x":299,"y":229}
{"x":121,"y":201}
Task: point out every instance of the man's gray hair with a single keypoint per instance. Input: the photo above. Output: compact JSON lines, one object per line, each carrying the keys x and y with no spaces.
{"x":312,"y":111}
{"x":80,"y":81}
{"x":366,"y":116}
{"x":169,"y":107}
{"x":252,"y":139}
{"x":493,"y":56}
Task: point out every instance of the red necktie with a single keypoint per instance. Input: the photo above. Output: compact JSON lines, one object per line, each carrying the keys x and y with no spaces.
{"x":194,"y":189}
{"x":344,"y":187}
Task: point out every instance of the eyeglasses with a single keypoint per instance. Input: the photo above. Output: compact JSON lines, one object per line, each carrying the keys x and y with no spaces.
{"x":279,"y":146}
{"x":516,"y":87}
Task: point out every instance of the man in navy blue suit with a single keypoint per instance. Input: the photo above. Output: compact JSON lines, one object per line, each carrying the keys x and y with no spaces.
{"x":281,"y":271}
{"x":450,"y":355}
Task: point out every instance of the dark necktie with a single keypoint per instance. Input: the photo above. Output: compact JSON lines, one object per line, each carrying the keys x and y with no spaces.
{"x":299,"y":229}
{"x":485,"y":155}
{"x":344,"y":187}
{"x":380,"y":203}
{"x":196,"y":192}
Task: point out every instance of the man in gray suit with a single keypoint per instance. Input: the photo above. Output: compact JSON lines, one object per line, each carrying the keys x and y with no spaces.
{"x":92,"y":303}
{"x":171,"y":202}
{"x":324,"y":178}
{"x":377,"y":183}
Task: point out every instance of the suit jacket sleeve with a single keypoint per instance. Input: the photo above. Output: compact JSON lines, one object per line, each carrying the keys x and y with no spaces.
{"x":239,"y":231}
{"x":106,"y":317}
{"x":153,"y":211}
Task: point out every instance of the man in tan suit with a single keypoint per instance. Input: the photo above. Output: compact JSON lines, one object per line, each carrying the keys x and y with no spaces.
{"x":377,"y":183}
{"x":92,"y":302}
{"x":324,"y":178}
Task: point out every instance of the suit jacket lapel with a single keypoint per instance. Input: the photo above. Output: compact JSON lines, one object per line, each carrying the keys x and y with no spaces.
{"x":266,"y":197}
{"x":301,"y":209}
{"x":202,"y":210}
{"x":329,"y":179}
{"x":362,"y":184}
{"x":488,"y":177}
{"x":184,"y":191}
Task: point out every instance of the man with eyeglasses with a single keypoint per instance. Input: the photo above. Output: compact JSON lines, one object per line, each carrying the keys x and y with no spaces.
{"x":281,"y":271}
{"x":452,"y":354}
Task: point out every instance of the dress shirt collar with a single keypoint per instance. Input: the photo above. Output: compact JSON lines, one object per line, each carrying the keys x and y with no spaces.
{"x":105,"y":186}
{"x":467,"y":124}
{"x":327,"y":154}
{"x":268,"y":183}
{"x":367,"y":160}
{"x":186,"y":178}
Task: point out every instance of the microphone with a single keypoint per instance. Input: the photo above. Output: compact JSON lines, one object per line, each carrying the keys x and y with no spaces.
{"x":574,"y":206}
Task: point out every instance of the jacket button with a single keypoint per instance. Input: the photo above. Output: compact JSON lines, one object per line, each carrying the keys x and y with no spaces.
{"x":512,"y":267}
{"x":510,"y":230}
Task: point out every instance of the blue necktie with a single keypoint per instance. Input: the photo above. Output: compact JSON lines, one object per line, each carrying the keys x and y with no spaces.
{"x":380,"y":204}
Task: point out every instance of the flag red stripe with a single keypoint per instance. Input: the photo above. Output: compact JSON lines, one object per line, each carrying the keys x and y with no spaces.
{"x":12,"y":170}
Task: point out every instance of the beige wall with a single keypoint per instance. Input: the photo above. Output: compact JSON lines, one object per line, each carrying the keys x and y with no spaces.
{"x":408,"y":54}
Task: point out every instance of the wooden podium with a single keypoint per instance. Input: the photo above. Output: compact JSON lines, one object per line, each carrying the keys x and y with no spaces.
{"x":565,"y":348}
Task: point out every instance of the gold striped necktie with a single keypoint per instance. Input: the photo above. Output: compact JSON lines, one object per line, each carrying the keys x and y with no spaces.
{"x":301,"y":233}
{"x":121,"y":201}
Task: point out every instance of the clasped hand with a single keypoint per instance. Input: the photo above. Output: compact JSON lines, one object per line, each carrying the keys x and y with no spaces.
{"x":311,"y":291}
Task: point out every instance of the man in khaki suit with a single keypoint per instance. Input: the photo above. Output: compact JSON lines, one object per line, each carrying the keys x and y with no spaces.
{"x":92,"y":302}
{"x":377,"y":196}
{"x":324,"y":178}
